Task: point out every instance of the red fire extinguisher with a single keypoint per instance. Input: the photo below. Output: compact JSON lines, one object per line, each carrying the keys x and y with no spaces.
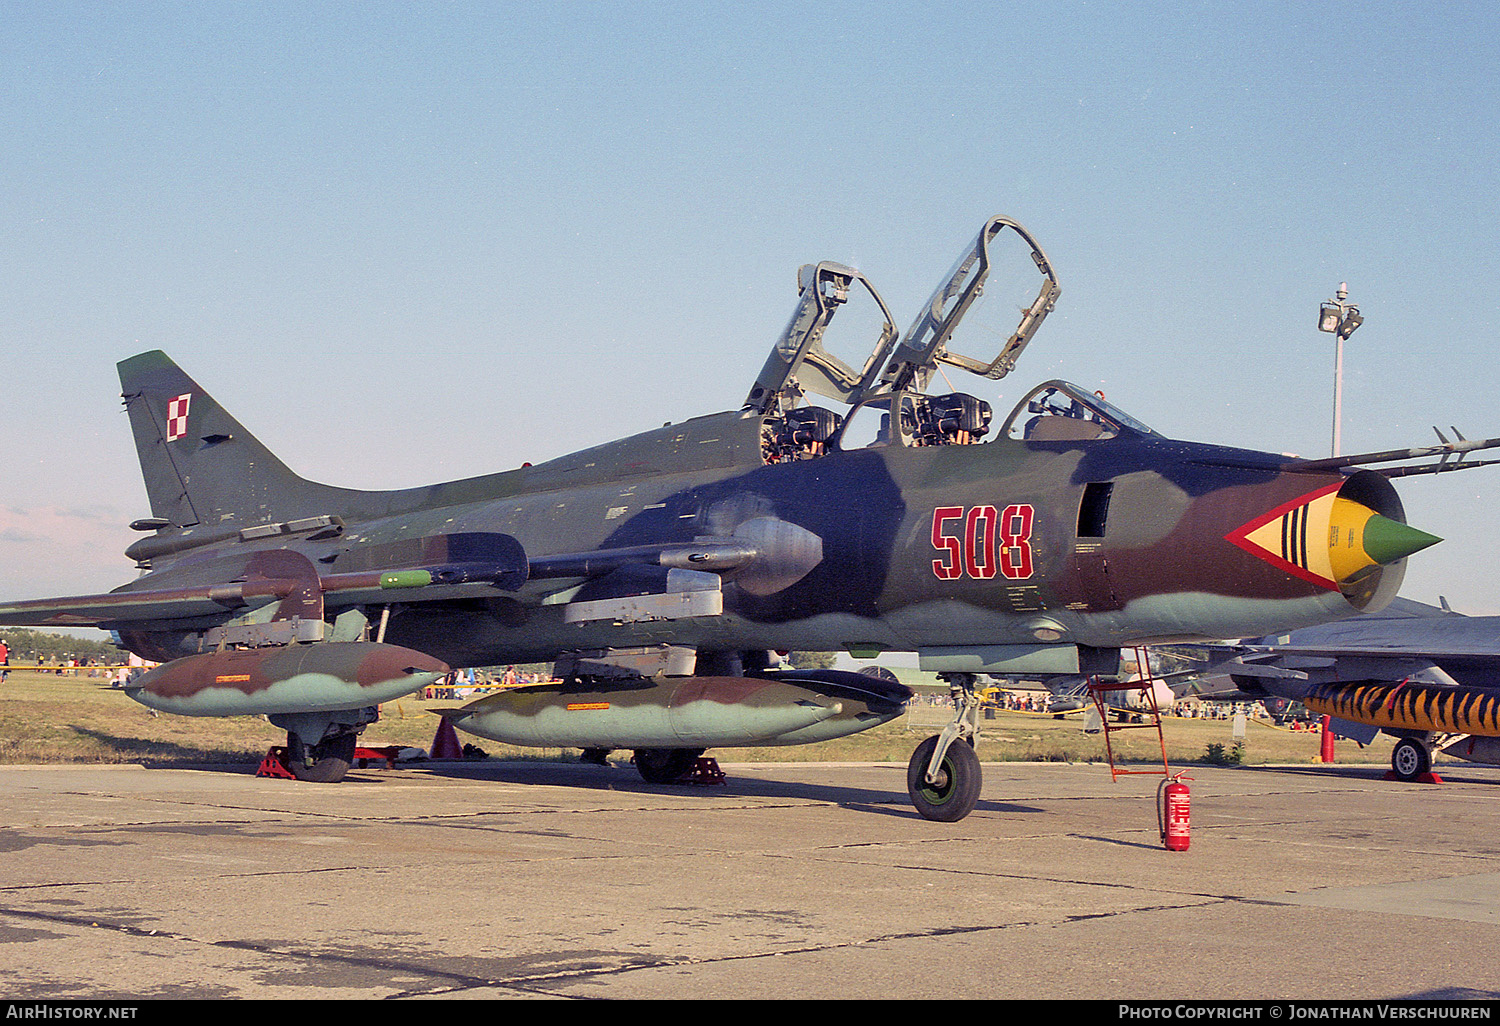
{"x":1172,"y":801}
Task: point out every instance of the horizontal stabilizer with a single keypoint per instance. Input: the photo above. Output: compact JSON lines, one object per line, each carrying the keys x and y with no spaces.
{"x":412,"y":584}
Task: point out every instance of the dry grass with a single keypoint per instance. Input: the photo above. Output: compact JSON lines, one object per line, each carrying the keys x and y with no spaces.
{"x":46,"y":718}
{"x":1036,"y":737}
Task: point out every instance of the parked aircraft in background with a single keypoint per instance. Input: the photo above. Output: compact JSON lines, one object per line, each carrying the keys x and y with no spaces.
{"x":1425,"y":675}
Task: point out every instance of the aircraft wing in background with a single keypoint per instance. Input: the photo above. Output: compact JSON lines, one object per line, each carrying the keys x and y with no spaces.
{"x":1426,"y":676}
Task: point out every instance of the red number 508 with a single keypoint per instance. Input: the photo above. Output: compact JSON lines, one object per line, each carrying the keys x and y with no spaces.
{"x":982,"y":542}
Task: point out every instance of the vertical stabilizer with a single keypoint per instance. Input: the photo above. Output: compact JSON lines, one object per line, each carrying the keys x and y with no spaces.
{"x":200,"y":465}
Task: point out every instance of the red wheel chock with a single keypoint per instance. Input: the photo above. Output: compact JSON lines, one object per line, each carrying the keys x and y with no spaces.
{"x":386,"y":754}
{"x":274,"y":765}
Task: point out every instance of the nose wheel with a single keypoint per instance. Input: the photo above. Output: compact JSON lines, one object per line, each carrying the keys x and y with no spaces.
{"x":949,"y":793}
{"x":944,"y":778}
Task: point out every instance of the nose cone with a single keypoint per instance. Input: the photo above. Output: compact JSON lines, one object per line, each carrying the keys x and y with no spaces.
{"x":1388,"y":540}
{"x":1358,"y":538}
{"x":1332,"y":539}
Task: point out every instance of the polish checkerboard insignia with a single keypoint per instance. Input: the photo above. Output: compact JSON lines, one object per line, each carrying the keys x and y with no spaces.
{"x":177,"y":417}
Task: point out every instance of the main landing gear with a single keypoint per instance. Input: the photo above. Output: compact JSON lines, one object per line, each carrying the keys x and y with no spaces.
{"x":944,"y":777}
{"x":320,"y":746}
{"x":665,"y":765}
{"x":323,"y":763}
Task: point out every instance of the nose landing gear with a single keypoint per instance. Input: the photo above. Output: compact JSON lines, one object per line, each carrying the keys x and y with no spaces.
{"x":944,"y":777}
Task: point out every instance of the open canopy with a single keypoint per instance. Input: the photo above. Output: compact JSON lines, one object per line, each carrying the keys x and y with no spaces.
{"x":806,"y":358}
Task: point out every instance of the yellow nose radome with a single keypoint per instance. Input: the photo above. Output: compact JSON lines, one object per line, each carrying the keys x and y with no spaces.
{"x":1359,"y":537}
{"x":1327,"y":539}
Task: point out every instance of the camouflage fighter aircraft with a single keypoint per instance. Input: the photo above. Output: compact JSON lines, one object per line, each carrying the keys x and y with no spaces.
{"x":662,"y":572}
{"x":1425,"y":675}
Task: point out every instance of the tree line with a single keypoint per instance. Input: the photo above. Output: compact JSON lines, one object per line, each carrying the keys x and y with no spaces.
{"x":40,"y":647}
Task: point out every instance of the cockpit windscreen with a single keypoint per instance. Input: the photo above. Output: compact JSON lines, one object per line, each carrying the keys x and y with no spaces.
{"x":1059,"y":411}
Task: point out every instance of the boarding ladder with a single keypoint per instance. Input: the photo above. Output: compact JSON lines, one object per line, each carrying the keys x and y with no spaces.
{"x":1098,"y":689}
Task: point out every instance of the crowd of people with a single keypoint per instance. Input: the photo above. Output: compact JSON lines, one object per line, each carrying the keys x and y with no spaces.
{"x":1186,"y":708}
{"x":464,"y":683}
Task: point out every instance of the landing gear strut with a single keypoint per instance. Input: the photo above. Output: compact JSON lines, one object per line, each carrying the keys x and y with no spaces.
{"x":944,"y":777}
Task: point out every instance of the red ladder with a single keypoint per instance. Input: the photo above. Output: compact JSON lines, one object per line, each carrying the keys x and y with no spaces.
{"x":1097,"y":690}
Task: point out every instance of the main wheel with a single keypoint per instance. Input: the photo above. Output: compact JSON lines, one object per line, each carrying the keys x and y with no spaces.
{"x":330,"y":760}
{"x":665,"y":765}
{"x":955,"y":792}
{"x":1410,"y":759}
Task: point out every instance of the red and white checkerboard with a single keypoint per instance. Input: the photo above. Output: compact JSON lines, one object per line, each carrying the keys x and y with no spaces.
{"x":177,"y":417}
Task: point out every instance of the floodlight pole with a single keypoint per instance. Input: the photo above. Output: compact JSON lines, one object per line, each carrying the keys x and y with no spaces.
{"x":1340,"y":317}
{"x":1338,"y":391}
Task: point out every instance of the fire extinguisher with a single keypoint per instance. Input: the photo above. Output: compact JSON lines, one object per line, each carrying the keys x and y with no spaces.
{"x":1172,"y":813}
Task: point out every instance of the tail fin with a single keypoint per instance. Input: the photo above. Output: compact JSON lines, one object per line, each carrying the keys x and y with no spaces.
{"x":201,"y":466}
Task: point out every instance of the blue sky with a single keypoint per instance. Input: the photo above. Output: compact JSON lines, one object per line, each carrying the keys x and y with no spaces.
{"x":413,"y":242}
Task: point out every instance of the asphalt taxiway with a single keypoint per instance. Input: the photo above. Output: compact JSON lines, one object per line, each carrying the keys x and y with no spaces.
{"x":512,"y":880}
